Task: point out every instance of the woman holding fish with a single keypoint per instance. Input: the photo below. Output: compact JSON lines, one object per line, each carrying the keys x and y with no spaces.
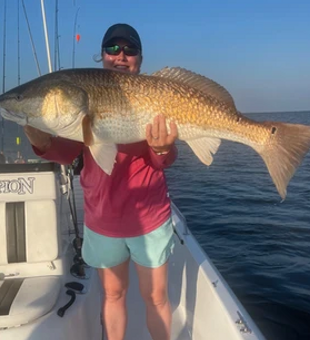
{"x":127,"y":214}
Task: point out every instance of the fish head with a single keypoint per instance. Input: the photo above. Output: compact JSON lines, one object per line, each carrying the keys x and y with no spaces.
{"x":46,"y":104}
{"x":15,"y":106}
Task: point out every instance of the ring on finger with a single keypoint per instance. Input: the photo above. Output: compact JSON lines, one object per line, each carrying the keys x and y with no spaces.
{"x":155,"y":138}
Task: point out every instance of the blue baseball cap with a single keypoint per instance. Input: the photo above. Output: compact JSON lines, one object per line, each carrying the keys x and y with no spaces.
{"x":122,"y":31}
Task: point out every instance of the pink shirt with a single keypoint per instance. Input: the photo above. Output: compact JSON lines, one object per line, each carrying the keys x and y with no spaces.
{"x":133,"y":200}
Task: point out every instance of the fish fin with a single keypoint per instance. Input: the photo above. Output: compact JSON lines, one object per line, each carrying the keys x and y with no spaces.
{"x":198,"y":82}
{"x":104,"y":155}
{"x":204,"y":148}
{"x":87,"y":131}
{"x":287,"y":146}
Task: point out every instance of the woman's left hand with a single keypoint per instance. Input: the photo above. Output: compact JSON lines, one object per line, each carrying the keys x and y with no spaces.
{"x":158,"y":137}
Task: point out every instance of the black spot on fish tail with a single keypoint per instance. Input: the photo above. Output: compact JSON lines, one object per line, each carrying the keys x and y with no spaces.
{"x":273,"y":130}
{"x":284,"y":151}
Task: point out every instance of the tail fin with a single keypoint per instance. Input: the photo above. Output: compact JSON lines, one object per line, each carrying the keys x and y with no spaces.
{"x":287,"y":146}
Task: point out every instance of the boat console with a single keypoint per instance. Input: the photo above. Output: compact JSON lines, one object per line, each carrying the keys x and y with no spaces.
{"x":36,"y":254}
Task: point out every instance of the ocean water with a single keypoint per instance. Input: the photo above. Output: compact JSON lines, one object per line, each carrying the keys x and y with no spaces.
{"x":260,"y":245}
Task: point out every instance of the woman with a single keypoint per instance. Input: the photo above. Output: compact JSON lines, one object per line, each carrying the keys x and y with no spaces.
{"x":127,"y":214}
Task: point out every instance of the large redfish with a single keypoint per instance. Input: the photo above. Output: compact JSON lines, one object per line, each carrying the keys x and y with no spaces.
{"x":104,"y":108}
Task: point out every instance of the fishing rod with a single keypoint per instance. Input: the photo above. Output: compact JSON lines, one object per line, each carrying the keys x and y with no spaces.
{"x":31,"y":39}
{"x":18,"y":45}
{"x":4,"y":47}
{"x":64,"y":179}
{"x":18,"y":139}
{"x":56,"y":47}
{"x":74,"y":36}
{"x":66,"y":182}
{"x":3,"y":70}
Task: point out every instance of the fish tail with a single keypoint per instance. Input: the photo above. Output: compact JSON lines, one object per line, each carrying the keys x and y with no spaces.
{"x":284,"y":152}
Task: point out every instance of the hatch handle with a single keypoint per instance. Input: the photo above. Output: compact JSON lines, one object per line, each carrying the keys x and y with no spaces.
{"x":61,"y":311}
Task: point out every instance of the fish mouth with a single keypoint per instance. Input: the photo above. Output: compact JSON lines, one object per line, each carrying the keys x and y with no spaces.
{"x":17,"y":117}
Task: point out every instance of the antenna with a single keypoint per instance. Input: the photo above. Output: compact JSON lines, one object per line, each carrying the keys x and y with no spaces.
{"x":46,"y":37}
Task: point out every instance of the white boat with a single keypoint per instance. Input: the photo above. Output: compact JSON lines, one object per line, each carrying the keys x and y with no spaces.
{"x":37,"y":254}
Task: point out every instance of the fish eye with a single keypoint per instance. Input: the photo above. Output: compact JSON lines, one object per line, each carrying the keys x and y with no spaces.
{"x":18,"y":97}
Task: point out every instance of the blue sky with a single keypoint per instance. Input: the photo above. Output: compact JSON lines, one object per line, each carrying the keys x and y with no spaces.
{"x":259,"y":50}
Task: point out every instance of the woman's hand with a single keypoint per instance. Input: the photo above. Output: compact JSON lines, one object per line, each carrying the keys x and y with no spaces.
{"x":157,"y":135}
{"x":38,"y":138}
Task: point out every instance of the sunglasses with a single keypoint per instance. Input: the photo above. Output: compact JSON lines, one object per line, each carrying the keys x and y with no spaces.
{"x":130,"y":51}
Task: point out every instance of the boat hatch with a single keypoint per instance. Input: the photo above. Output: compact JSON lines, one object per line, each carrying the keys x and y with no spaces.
{"x":24,"y":300}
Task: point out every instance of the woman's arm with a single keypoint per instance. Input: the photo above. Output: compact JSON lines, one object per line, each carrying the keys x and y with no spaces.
{"x":164,"y":160}
{"x":55,"y":149}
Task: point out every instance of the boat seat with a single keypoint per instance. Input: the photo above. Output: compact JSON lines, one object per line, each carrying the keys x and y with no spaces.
{"x":30,"y":240}
{"x":25,"y":300}
{"x":28,"y":232}
{"x":29,"y":227}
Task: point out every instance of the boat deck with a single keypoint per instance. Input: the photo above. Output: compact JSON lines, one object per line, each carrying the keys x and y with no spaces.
{"x":203,"y":305}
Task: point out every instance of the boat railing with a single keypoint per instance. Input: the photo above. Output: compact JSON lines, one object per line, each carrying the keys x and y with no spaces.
{"x":183,"y":220}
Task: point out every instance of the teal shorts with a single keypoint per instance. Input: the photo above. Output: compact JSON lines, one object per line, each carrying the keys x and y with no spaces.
{"x":150,"y":250}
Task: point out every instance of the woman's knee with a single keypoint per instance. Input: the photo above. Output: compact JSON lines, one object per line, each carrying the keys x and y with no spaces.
{"x":114,"y":295}
{"x":155,"y":298}
{"x":114,"y":282}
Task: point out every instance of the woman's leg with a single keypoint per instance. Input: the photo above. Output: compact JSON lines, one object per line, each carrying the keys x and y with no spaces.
{"x":115,"y":285}
{"x":150,"y":253}
{"x":111,"y":256}
{"x":153,"y":284}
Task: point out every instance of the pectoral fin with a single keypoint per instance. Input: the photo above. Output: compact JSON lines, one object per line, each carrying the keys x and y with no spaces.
{"x":87,"y":132}
{"x":204,"y":148}
{"x":104,"y":155}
